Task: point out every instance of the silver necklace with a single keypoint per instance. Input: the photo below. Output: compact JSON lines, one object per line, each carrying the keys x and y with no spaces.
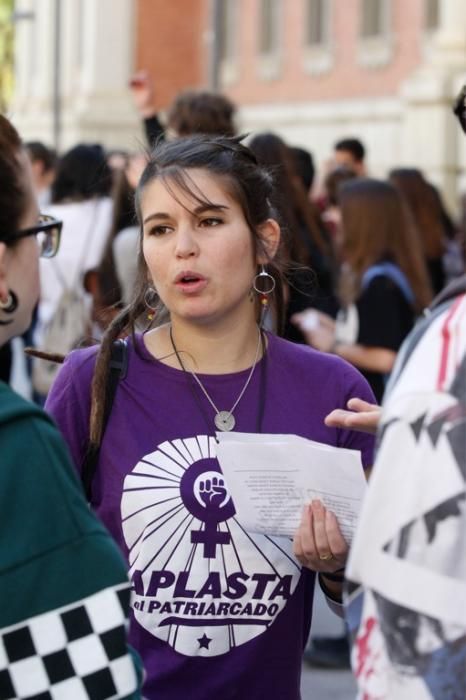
{"x":224,"y":420}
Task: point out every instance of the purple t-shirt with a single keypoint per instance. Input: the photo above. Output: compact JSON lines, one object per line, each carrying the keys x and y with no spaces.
{"x":217,"y":611}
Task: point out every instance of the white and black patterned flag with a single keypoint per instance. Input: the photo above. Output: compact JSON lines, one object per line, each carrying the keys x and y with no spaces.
{"x":77,"y":652}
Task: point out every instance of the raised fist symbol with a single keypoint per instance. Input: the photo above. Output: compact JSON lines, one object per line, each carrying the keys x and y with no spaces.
{"x":213,"y":492}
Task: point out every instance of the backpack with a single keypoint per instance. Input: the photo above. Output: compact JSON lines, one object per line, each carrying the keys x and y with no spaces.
{"x":66,"y":329}
{"x":397,"y":276}
{"x":393,"y":272}
{"x":348,"y":330}
{"x":69,"y":325}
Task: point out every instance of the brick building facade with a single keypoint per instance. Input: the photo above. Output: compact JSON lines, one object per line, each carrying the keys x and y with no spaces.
{"x":312,"y":70}
{"x":172,"y":42}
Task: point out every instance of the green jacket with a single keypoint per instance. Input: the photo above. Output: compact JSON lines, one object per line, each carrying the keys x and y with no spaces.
{"x":64,"y":592}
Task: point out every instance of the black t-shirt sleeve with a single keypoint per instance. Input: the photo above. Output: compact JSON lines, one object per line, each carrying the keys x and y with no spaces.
{"x":385,"y":316}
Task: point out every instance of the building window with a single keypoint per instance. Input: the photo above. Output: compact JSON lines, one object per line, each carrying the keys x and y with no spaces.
{"x":269,"y":27}
{"x":227,"y":30}
{"x":318,"y":55}
{"x":375,"y":48}
{"x":431,"y":17}
{"x":316,"y":22}
{"x":81,"y":34}
{"x":374,"y":18}
{"x":227,"y":38}
{"x":270,"y":22}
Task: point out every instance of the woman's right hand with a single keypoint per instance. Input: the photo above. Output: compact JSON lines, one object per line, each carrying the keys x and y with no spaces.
{"x":361,"y":416}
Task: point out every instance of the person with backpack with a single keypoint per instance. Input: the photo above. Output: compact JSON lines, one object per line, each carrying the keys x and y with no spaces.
{"x":64,"y":592}
{"x":80,"y":198}
{"x":218,"y":611}
{"x":383,"y":282}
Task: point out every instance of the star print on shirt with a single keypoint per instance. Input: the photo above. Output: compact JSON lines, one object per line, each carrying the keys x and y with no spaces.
{"x":204,"y":642}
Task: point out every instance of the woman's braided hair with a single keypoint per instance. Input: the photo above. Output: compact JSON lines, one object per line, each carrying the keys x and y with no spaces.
{"x":248,"y":183}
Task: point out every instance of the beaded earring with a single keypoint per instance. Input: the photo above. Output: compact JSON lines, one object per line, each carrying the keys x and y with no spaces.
{"x":264,"y":285}
{"x":150,"y":300}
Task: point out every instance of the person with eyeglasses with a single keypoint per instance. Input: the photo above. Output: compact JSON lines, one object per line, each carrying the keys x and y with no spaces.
{"x":64,"y":592}
{"x":47,"y":232}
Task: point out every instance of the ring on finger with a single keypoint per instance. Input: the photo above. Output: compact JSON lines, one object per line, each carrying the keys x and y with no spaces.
{"x":325,"y":557}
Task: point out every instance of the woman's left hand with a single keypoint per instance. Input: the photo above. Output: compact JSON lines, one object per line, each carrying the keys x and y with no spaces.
{"x":318,"y":543}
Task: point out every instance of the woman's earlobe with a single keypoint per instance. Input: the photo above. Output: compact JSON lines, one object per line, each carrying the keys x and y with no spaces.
{"x":269,"y":233}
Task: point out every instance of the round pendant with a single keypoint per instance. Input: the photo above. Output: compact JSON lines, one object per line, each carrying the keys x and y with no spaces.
{"x":225,"y":421}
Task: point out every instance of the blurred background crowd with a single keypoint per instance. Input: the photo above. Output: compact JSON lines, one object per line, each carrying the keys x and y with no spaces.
{"x":347,"y":102}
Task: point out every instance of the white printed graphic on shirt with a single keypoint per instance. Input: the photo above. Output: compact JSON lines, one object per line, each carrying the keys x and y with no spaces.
{"x":201,"y":582}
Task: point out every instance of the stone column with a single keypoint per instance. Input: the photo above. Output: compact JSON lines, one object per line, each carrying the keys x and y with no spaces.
{"x":431,"y":138}
{"x":449,"y":42}
{"x":32,"y":101}
{"x":96,"y":49}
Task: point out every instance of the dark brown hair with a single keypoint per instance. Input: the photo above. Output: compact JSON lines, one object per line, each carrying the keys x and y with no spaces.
{"x":13,"y":193}
{"x":82,"y":173}
{"x":376,"y":227}
{"x":250,"y":185}
{"x":39,"y":152}
{"x":123,"y":216}
{"x":353,"y":146}
{"x":201,"y":113}
{"x":425,"y":209}
{"x":334,"y":180}
{"x":297,"y":211}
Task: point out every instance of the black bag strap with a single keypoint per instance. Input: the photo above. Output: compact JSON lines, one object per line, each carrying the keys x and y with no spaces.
{"x":118,"y":369}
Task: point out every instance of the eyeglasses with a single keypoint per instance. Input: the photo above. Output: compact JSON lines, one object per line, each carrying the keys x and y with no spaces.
{"x":47,"y":232}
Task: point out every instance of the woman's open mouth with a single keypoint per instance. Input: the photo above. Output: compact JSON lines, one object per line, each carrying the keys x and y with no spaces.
{"x":190,"y":282}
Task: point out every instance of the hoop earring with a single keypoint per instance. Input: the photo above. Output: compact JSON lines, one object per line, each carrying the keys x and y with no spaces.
{"x":264,"y":285}
{"x":151,"y":300}
{"x":263,"y":282}
{"x":11,"y":304}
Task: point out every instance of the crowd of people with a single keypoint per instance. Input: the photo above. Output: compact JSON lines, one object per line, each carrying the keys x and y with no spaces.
{"x":213,"y":283}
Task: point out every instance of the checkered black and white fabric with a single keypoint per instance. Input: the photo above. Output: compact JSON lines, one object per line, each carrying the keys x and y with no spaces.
{"x":77,"y":652}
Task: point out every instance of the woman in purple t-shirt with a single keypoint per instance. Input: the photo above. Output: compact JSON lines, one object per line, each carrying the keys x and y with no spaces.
{"x":217,"y":611}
